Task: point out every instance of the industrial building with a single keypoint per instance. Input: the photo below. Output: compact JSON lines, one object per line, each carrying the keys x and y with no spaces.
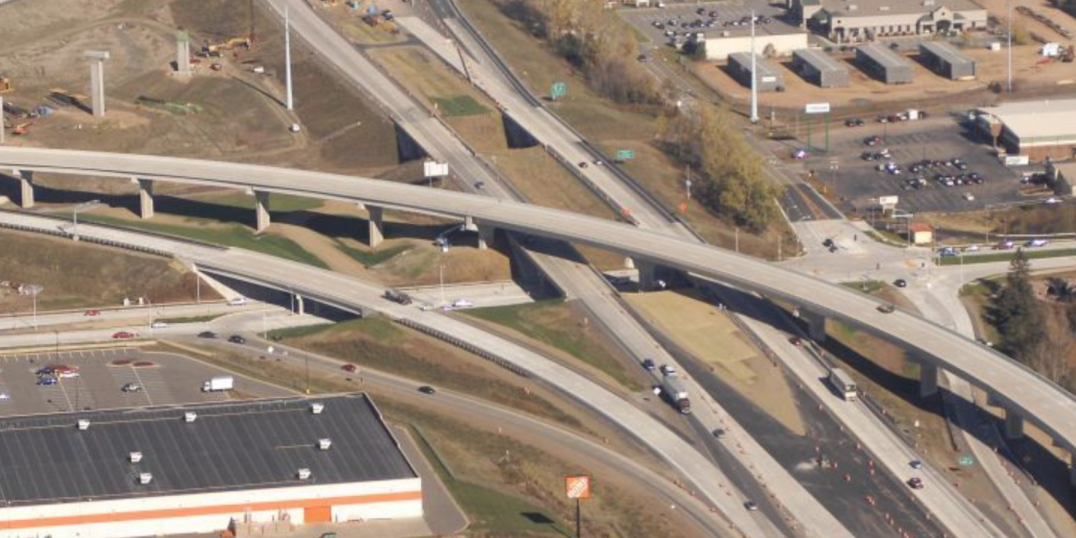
{"x":769,"y":79}
{"x":853,"y":21}
{"x":202,"y":468}
{"x":884,"y":64}
{"x":1033,"y":129}
{"x":945,"y":60}
{"x":820,"y":68}
{"x":776,"y":39}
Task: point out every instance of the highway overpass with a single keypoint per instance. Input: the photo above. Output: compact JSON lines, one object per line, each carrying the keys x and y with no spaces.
{"x":1022,"y":392}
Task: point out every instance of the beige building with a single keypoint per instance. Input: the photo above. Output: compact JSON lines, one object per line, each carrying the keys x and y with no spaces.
{"x":866,"y":20}
{"x":1034,"y":129}
{"x":921,"y":233}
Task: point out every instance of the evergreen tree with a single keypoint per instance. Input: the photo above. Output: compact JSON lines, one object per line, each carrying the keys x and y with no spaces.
{"x":1019,"y":317}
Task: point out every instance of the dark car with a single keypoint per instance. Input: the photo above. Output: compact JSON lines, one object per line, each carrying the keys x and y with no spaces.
{"x":854,"y":122}
{"x":887,"y":308}
{"x":900,"y":283}
{"x":47,"y":380}
{"x":827,"y":243}
{"x":796,"y":341}
{"x":426,"y":389}
{"x":648,"y":364}
{"x":915,"y":482}
{"x":237,"y":339}
{"x":207,"y":334}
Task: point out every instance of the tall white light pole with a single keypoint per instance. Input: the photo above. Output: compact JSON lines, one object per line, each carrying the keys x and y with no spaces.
{"x":290,"y":103}
{"x":754,"y":74}
{"x":1008,"y":7}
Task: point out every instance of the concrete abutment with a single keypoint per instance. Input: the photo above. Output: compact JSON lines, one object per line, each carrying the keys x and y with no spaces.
{"x":261,"y":208}
{"x":376,"y":224}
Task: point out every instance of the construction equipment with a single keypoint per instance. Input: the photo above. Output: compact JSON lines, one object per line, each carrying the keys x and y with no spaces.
{"x":22,"y":129}
{"x":5,"y":85}
{"x":1068,"y":54}
{"x":64,"y":97}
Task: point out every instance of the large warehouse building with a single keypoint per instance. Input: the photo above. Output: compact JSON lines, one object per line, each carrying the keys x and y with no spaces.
{"x":850,"y":21}
{"x":776,"y":38}
{"x":945,"y":60}
{"x":201,"y":469}
{"x":820,"y":68}
{"x":1034,"y":129}
{"x":883,"y":64}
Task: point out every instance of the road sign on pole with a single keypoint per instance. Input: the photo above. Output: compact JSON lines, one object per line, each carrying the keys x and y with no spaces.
{"x":966,"y":461}
{"x":816,"y":108}
{"x":558,"y":90}
{"x":625,"y":154}
{"x":577,"y":487}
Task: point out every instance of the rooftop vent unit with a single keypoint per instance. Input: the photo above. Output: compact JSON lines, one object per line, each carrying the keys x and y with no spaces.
{"x":324,"y":444}
{"x":190,"y":416}
{"x":928,"y":2}
{"x":136,"y":457}
{"x":883,"y":8}
{"x":304,"y":474}
{"x":145,"y":478}
{"x":317,"y":408}
{"x":83,"y":424}
{"x":853,"y":7}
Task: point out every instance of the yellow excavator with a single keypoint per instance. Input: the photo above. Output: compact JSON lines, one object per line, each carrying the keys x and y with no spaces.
{"x":5,"y":85}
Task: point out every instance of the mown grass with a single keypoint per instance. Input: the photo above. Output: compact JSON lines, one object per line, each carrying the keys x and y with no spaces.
{"x":282,"y":203}
{"x":370,"y":259}
{"x":190,"y":319}
{"x":459,"y":105}
{"x":559,"y":325}
{"x":231,"y":235}
{"x":378,"y":343}
{"x":1007,"y":256}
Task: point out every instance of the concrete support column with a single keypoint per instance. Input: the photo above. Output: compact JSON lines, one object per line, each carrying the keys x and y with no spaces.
{"x":1072,"y":469}
{"x":26,"y":187}
{"x":629,"y":263}
{"x":299,"y":307}
{"x":486,"y":236}
{"x":469,"y":224}
{"x":145,"y":198}
{"x":261,"y":207}
{"x":377,"y":225}
{"x":928,"y":379}
{"x":816,"y":324}
{"x":647,"y":280}
{"x":1014,"y":424}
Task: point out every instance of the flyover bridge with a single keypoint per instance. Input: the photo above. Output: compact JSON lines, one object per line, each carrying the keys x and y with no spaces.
{"x":1023,"y":393}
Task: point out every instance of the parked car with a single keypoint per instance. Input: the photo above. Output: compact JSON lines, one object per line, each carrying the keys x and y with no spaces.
{"x":47,"y":380}
{"x":131,"y":387}
{"x":122,"y":335}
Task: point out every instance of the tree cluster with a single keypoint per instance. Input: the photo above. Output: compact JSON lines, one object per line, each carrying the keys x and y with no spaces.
{"x":730,"y":174}
{"x":596,"y":44}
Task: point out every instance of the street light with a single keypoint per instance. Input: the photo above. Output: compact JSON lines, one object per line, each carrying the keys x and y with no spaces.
{"x":441,"y":269}
{"x":33,"y":290}
{"x":74,"y":215}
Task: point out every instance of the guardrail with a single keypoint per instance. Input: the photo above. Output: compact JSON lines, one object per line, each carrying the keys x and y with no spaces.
{"x":162,"y":235}
{"x":462,"y":344}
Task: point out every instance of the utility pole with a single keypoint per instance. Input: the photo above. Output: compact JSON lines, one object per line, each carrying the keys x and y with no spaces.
{"x":290,"y":103}
{"x":1,"y":119}
{"x":1008,"y":7}
{"x":754,"y":73}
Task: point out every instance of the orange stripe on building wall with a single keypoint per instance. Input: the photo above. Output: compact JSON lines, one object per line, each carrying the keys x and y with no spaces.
{"x":206,"y":510}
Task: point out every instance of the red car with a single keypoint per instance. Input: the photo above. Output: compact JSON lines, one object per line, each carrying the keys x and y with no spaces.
{"x":122,"y":335}
{"x":796,"y":341}
{"x":349,"y":368}
{"x":92,"y":313}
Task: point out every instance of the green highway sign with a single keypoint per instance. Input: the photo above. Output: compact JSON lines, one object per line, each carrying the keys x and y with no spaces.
{"x":558,"y":90}
{"x":966,"y":461}
{"x":625,"y":154}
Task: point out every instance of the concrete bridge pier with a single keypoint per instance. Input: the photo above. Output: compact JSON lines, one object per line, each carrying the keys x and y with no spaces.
{"x":1014,"y":425}
{"x":377,"y":224}
{"x":487,"y":235}
{"x":1072,"y":469}
{"x":647,"y":272}
{"x":261,"y":208}
{"x":816,"y":324}
{"x":145,"y":197}
{"x":928,"y":379}
{"x":300,"y":309}
{"x":26,"y":187}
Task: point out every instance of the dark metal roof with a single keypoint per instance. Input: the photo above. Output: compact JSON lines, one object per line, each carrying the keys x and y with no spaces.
{"x":946,"y":52}
{"x":884,"y":56}
{"x":230,"y":446}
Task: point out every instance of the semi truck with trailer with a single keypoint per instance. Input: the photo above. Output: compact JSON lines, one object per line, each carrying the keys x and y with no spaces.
{"x":674,"y":391}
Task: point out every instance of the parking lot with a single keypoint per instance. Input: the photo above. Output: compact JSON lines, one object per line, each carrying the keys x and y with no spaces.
{"x":660,"y":25}
{"x":163,"y":378}
{"x":954,"y":158}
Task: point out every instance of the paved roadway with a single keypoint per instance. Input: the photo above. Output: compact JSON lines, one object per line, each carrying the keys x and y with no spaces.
{"x":1016,"y":387}
{"x":692,"y":466}
{"x":145,"y":314}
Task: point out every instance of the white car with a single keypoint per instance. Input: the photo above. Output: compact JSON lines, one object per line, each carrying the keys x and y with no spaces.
{"x":158,"y":325}
{"x":237,"y":301}
{"x":462,"y":303}
{"x":971,"y":248}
